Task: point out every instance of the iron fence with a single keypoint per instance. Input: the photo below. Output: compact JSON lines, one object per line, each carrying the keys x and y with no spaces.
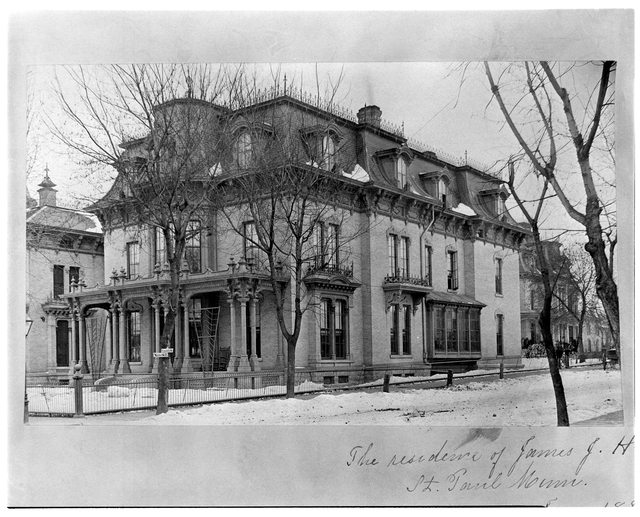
{"x":48,"y":397}
{"x":131,"y":392}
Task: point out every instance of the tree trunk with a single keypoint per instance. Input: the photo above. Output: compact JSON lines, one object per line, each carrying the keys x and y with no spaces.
{"x":547,"y":337}
{"x":556,"y":379}
{"x":291,"y":367}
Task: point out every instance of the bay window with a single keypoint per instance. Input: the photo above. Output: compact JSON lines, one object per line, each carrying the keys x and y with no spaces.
{"x":456,"y":330}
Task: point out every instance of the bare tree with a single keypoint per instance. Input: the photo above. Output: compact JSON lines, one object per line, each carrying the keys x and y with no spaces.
{"x":545,"y":140}
{"x":290,"y":196}
{"x":578,"y":300}
{"x":157,"y":127}
{"x":532,"y":216}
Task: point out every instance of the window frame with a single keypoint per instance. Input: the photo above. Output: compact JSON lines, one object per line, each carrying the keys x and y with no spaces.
{"x":401,"y":172}
{"x":243,"y":150}
{"x":456,"y":330}
{"x":160,"y":248}
{"x":334,"y":329}
{"x":499,"y":334}
{"x":258,"y":325}
{"x":134,"y":333}
{"x":452,"y":270}
{"x":400,"y":329}
{"x":328,"y":152}
{"x":399,"y":249}
{"x":192,"y":257}
{"x":498,"y":276}
{"x":428,"y":264}
{"x":58,"y":280}
{"x":133,"y":260}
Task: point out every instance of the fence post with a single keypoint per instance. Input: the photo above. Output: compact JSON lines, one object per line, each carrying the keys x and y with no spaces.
{"x":162,"y":386}
{"x":604,"y":359}
{"x":449,"y":377}
{"x":26,"y":399}
{"x":502,"y":369}
{"x":385,"y":384}
{"x":77,"y":388}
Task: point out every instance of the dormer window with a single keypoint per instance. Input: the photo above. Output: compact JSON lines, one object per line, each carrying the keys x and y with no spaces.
{"x":443,"y":191}
{"x":401,"y":172}
{"x":328,"y":153}
{"x":243,"y":150}
{"x":321,"y":144}
{"x":500,"y":205}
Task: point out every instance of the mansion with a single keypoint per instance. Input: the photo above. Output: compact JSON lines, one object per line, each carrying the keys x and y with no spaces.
{"x":419,"y":270}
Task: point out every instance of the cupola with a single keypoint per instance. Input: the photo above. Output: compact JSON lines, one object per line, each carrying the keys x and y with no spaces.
{"x":46,"y":191}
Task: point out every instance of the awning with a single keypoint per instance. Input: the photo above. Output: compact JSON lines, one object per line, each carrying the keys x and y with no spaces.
{"x":453,"y":299}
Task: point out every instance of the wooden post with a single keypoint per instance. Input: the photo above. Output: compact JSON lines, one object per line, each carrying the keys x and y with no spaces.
{"x":77,"y":388}
{"x":449,"y":377}
{"x":604,"y":359}
{"x":502,"y":369}
{"x":385,"y":384}
{"x":163,"y":369}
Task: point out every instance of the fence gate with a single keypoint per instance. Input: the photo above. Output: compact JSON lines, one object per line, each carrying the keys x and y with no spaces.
{"x":95,"y":327}
{"x":207,"y":336}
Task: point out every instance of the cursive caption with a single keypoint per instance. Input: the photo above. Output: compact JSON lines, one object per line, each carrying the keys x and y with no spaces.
{"x":524,"y":466}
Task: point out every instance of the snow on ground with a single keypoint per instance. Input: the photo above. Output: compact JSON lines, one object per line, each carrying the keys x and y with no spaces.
{"x":525,"y":401}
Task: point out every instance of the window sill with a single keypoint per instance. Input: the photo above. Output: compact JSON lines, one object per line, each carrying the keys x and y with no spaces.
{"x":399,"y":356}
{"x":499,"y":295}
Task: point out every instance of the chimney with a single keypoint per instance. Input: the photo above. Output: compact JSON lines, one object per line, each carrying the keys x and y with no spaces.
{"x":370,"y":115}
{"x":47,"y":192}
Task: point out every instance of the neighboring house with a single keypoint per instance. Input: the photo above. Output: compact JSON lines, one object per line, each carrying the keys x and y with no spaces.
{"x":64,"y":252}
{"x":433,"y":283}
{"x":564,"y":323}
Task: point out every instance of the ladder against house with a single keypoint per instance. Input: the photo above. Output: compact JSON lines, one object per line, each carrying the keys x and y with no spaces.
{"x":206,"y":328}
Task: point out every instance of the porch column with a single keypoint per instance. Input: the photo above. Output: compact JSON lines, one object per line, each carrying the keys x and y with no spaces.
{"x":107,"y":338}
{"x":231,"y":367}
{"x":83,"y":344}
{"x":332,"y":329}
{"x":114,"y":340}
{"x":124,"y":358}
{"x":186,"y":362}
{"x":253,"y":360}
{"x":115,"y":361}
{"x":156,"y":334}
{"x":177,"y":338}
{"x":52,"y":344}
{"x":72,"y":355}
{"x":243,"y":364}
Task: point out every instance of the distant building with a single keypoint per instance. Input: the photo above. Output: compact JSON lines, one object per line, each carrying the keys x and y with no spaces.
{"x":564,"y":324}
{"x":64,"y":252}
{"x":434,"y":282}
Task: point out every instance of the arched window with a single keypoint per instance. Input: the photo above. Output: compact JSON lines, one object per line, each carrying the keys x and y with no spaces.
{"x":500,"y":205}
{"x":243,"y":150}
{"x":328,"y":153}
{"x":401,"y":172}
{"x":442,"y":191}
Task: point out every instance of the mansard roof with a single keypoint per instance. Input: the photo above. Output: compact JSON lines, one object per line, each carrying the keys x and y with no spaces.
{"x":376,"y":144}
